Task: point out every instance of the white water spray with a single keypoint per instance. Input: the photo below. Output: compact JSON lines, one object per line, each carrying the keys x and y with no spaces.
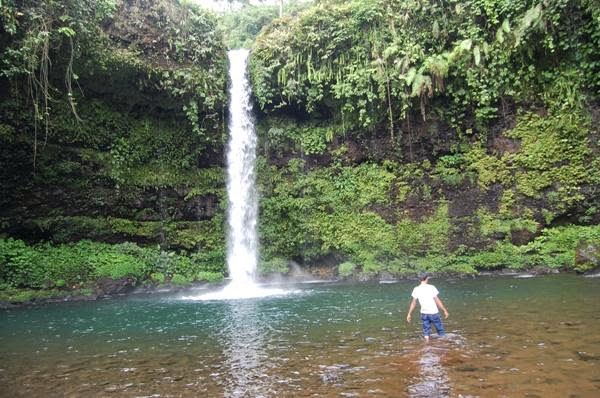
{"x":242,"y":213}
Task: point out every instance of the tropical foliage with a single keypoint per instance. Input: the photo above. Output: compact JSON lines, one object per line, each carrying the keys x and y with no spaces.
{"x":395,"y":136}
{"x":81,"y":263}
{"x":369,"y":63}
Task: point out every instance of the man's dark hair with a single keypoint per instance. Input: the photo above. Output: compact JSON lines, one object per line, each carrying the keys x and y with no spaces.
{"x":424,"y":275}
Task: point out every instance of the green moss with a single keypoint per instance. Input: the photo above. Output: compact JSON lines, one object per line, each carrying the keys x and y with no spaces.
{"x":492,"y":224}
{"x":19,"y":296}
{"x":555,"y":155}
{"x":207,"y":234}
{"x":147,"y":229}
{"x":489,"y":169}
{"x":424,"y":236}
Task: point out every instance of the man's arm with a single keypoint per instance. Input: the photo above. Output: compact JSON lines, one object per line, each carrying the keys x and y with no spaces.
{"x":413,"y":304}
{"x":441,"y":306}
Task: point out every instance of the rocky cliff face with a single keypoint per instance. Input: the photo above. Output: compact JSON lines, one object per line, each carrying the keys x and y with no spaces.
{"x":139,"y":156}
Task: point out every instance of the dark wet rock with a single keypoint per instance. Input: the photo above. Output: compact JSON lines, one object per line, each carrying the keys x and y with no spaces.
{"x":385,"y":276}
{"x":4,"y":305}
{"x":539,"y":270}
{"x":110,"y":286}
{"x":503,"y":145}
{"x":521,"y":236}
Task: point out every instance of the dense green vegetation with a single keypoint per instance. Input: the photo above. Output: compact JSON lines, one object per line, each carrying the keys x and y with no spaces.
{"x":368,"y":64}
{"x":79,"y":264}
{"x":104,"y":109}
{"x":428,"y":134}
{"x":108,"y":108}
{"x":395,"y":136}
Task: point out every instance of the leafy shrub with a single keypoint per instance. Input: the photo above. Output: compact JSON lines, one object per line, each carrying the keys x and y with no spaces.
{"x":181,"y":265}
{"x":70,"y":262}
{"x":179,"y":279}
{"x":449,"y":169}
{"x":209,"y":276}
{"x":20,"y":265}
{"x":117,"y":265}
{"x":60,"y":283}
{"x":158,"y":277}
{"x":346,"y":269}
{"x":399,"y":266}
{"x":210,"y":261}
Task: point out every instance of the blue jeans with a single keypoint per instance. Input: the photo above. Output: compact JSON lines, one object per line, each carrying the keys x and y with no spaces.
{"x":428,"y":319}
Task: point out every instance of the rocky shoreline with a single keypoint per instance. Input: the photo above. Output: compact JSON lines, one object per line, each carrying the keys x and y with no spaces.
{"x":108,"y":288}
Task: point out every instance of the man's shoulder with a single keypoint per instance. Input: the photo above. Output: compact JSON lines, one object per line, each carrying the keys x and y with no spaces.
{"x":426,"y":289}
{"x":417,"y":288}
{"x":434,"y":290}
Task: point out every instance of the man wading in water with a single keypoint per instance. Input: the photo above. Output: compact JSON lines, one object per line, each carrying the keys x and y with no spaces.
{"x":429,"y":301}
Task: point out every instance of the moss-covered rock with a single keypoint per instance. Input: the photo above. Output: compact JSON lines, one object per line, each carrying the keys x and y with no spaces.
{"x":587,"y":256}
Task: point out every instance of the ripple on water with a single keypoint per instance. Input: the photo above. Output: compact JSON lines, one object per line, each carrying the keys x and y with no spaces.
{"x":274,"y":347}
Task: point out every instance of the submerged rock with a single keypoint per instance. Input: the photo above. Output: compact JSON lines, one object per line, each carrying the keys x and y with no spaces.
{"x":586,"y":356}
{"x":333,"y":374}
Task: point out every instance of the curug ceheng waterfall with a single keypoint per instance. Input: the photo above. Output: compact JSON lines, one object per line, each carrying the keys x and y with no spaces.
{"x":242,"y":211}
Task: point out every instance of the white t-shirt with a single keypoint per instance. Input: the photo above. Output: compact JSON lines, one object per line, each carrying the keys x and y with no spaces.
{"x":425,"y":294}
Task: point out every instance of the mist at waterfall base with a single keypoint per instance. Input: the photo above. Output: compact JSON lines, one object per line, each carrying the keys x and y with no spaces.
{"x":242,"y":211}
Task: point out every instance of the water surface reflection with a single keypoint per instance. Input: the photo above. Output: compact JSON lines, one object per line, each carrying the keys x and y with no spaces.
{"x":244,"y":353}
{"x":432,"y":380}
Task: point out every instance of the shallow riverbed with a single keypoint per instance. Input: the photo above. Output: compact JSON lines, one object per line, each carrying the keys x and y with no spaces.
{"x":508,"y":337}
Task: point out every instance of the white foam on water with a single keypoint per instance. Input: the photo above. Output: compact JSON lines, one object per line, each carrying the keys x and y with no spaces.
{"x":240,"y":292}
{"x":592,"y":276}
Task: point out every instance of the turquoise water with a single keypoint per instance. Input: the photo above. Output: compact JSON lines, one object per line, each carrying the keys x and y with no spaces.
{"x":507,"y":337}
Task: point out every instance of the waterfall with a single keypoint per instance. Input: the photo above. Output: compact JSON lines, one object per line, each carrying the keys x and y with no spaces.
{"x":242,"y":212}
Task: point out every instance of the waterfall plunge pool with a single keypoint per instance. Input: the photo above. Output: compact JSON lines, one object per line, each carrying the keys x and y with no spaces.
{"x":507,"y":337}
